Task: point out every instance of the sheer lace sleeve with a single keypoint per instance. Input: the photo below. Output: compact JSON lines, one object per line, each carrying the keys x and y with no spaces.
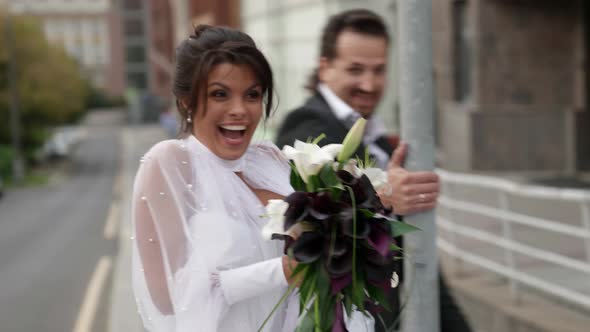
{"x":160,"y":206}
{"x":184,"y":280}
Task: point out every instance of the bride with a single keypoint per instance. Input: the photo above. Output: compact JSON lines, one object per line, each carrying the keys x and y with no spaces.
{"x":199,"y":260}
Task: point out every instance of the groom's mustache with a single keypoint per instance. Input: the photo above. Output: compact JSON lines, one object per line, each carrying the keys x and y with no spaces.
{"x":363,"y":93}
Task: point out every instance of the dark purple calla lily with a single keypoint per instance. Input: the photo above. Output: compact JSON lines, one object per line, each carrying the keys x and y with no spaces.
{"x":375,"y":258}
{"x":340,"y":247}
{"x":380,"y":236}
{"x":338,"y":284}
{"x":364,"y":194}
{"x":346,"y":177}
{"x":298,"y":208}
{"x":308,"y":247}
{"x":368,"y":197}
{"x":346,"y":222}
{"x":339,"y":266}
{"x":380,"y":275}
{"x":322,"y":206}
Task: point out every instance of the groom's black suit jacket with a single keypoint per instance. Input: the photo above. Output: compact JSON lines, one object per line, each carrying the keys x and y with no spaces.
{"x":315,"y":118}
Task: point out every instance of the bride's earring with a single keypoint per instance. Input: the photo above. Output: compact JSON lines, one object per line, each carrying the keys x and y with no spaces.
{"x":189,"y":119}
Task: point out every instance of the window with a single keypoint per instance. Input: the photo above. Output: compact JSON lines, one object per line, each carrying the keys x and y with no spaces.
{"x":132,"y":4}
{"x":135,"y":54}
{"x":461,"y":56}
{"x":137,"y":80}
{"x":133,"y":27}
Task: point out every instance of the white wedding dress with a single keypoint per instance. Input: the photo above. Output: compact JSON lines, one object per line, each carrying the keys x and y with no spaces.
{"x":199,"y":261}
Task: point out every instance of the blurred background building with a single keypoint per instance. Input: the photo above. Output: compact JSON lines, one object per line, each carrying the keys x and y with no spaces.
{"x":512,"y":83}
{"x":82,"y":27}
{"x":511,"y":77}
{"x":150,"y":30}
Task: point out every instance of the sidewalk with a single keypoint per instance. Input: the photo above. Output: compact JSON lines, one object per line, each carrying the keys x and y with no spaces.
{"x":136,"y":140}
{"x":486,"y":301}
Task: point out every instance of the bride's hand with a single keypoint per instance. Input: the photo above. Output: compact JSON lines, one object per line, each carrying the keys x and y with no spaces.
{"x":289,"y":266}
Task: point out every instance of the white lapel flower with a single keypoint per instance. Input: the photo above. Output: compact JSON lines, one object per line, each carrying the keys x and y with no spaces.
{"x":275,"y":210}
{"x":310,"y":158}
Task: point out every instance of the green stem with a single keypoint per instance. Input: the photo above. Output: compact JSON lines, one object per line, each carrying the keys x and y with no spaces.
{"x":309,"y":186}
{"x":283,"y":298}
{"x":316,"y":309}
{"x":354,"y":236}
{"x":332,"y":242}
{"x":319,"y":138}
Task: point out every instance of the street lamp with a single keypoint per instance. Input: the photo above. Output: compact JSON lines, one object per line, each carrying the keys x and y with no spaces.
{"x":18,"y":168}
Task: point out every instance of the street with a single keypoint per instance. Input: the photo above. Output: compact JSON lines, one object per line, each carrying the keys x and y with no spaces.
{"x":52,"y":238}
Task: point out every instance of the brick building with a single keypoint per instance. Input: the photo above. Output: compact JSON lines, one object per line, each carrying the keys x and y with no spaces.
{"x":147,"y":41}
{"x":512,"y":84}
{"x":150,"y":31}
{"x":215,"y":12}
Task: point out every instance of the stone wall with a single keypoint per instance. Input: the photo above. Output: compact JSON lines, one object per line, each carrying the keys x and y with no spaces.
{"x":527,"y":53}
{"x":511,"y":78}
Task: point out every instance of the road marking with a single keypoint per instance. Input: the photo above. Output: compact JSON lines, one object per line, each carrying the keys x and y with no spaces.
{"x":112,"y":222}
{"x":110,"y":227}
{"x":117,"y":186}
{"x":92,"y":296}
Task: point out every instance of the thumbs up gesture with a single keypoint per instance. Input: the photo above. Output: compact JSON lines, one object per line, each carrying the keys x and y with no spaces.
{"x":408,"y":192}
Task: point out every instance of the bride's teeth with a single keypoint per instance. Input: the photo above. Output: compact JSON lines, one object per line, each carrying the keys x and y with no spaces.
{"x":234,"y":127}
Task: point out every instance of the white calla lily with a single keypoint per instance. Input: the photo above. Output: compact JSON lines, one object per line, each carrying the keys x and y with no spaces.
{"x":275,"y":210}
{"x":309,"y":158}
{"x":351,"y":167}
{"x":377,"y":176}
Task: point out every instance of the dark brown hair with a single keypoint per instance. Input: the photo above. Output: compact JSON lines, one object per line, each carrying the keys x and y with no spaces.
{"x":356,"y":20}
{"x":206,"y":48}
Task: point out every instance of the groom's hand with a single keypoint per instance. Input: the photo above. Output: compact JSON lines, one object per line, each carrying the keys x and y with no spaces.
{"x":408,"y":192}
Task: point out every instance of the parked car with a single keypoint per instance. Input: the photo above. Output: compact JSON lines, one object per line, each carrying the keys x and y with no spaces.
{"x":60,"y":144}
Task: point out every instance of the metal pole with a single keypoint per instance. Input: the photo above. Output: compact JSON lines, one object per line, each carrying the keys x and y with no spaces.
{"x":417,"y":113}
{"x":18,"y":168}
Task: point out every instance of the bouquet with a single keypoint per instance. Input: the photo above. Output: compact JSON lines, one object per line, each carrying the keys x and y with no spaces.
{"x":335,"y":226}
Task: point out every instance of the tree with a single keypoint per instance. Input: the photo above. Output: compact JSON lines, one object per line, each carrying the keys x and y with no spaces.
{"x":50,"y":83}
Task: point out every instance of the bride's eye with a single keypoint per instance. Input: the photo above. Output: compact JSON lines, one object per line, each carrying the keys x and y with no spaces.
{"x":218,"y":94}
{"x":253,"y":95}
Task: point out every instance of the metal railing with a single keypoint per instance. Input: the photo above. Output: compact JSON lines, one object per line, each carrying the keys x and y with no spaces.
{"x":497,"y":210}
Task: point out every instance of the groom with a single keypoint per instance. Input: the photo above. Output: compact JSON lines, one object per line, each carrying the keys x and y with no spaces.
{"x":348,"y":84}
